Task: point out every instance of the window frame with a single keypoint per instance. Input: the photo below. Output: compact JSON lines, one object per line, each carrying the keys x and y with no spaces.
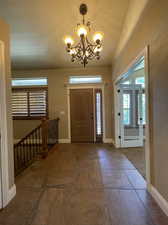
{"x":29,"y":89}
{"x":34,"y":82}
{"x":89,"y":77}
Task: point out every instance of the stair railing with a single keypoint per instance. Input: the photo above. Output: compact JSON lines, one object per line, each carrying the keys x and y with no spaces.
{"x":35,"y":144}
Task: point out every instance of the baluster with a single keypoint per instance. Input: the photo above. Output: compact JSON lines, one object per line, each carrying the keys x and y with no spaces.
{"x":33,"y":145}
{"x":39,"y":142}
{"x":24,"y":154}
{"x":36,"y":144}
{"x":27,"y":151}
{"x":20,"y":157}
{"x":44,"y":137}
{"x":31,"y":152}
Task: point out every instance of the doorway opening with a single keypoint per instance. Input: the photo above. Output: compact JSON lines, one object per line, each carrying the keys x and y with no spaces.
{"x":86,"y":114}
{"x":131,"y":114}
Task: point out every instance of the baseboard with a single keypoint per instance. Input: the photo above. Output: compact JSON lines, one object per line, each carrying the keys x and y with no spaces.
{"x":11,"y":194}
{"x":159,"y":199}
{"x":64,"y":141}
{"x":108,"y":140}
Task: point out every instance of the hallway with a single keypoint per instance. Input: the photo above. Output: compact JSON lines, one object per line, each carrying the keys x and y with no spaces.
{"x":82,"y":184}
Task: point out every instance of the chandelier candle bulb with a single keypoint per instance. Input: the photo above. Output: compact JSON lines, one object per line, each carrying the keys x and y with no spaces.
{"x":82,"y":31}
{"x":68,"y":41}
{"x":85,"y":50}
{"x":98,"y":37}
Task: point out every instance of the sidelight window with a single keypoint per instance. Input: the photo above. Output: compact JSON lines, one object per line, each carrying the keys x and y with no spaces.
{"x":126,"y":109}
{"x":98,"y":112}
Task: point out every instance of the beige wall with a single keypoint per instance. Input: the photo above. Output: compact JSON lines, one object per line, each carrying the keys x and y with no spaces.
{"x":134,"y":12}
{"x":57,"y":81}
{"x":4,"y":36}
{"x":152,"y":30}
{"x":22,"y":127}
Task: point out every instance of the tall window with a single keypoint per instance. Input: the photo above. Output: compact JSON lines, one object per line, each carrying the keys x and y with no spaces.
{"x":126,"y":109}
{"x":98,"y":112}
{"x":29,"y":100}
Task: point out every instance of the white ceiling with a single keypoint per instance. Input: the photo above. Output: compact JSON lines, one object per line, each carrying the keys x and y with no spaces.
{"x":38,"y":28}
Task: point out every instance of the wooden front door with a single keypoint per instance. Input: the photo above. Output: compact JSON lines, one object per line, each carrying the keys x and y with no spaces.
{"x":82,"y":115}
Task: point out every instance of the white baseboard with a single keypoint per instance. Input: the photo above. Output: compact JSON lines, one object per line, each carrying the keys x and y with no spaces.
{"x":11,"y":194}
{"x":159,"y":199}
{"x":64,"y":141}
{"x":108,"y":140}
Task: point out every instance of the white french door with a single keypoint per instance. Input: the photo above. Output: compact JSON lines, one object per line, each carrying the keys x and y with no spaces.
{"x":130,"y":115}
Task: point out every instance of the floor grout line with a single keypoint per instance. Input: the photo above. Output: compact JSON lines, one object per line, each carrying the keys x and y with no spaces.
{"x":34,"y":210}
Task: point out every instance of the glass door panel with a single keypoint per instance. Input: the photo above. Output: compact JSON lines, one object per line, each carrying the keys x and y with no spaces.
{"x":131,"y":123}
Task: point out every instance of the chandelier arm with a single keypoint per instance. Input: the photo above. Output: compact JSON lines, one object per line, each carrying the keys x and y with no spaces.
{"x":91,"y":50}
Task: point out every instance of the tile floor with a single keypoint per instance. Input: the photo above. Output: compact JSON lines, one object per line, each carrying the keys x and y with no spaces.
{"x":82,"y":184}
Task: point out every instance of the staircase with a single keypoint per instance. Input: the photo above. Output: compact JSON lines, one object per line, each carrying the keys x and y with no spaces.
{"x":36,"y":144}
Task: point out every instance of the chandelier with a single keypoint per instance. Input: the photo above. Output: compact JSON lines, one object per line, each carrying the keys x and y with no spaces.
{"x":84,"y":50}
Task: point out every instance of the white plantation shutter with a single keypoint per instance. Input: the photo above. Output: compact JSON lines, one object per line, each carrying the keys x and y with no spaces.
{"x":30,"y":102}
{"x":37,"y":102}
{"x":20,"y":103}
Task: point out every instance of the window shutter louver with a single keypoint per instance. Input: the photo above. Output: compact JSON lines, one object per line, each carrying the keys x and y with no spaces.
{"x":37,"y":102}
{"x":19,"y":104}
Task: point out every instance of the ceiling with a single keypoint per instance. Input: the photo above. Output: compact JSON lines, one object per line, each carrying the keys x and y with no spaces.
{"x":38,"y":28}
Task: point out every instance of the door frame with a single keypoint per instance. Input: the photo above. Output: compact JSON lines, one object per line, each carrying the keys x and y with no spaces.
{"x":3,"y":128}
{"x":88,"y":86}
{"x":145,"y":53}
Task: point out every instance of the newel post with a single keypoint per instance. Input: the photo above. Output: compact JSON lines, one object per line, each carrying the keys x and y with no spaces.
{"x":44,"y":137}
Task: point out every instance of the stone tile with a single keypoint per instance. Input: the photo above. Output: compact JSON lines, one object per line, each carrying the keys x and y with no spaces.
{"x":89,"y":178}
{"x":61,"y":178}
{"x":71,"y":207}
{"x":125,"y":208}
{"x":21,"y":208}
{"x":34,"y":177}
{"x":137,"y":157}
{"x":116,"y":163}
{"x":136,"y":179}
{"x":154,"y":210}
{"x":115,"y":179}
{"x":82,"y":184}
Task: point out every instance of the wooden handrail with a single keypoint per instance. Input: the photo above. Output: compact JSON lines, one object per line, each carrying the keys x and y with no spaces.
{"x":36,"y":142}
